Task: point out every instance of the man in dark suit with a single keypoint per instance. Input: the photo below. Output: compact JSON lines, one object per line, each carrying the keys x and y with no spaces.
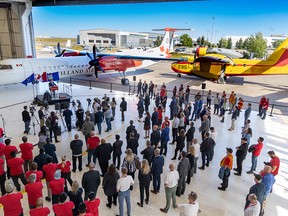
{"x":123,"y":108}
{"x":157,"y":170}
{"x":148,"y":152}
{"x":155,"y":137}
{"x":183,"y":169}
{"x":103,"y":153}
{"x":117,"y":151}
{"x":154,"y":117}
{"x":205,"y":149}
{"x":241,"y":155}
{"x":129,"y":129}
{"x":90,"y":181}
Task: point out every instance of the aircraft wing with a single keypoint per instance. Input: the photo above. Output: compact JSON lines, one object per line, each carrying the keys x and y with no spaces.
{"x":213,"y":59}
{"x":99,"y":55}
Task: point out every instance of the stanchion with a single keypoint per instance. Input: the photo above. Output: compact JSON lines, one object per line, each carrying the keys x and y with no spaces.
{"x":129,"y":90}
{"x":70,"y":81}
{"x":110,"y":87}
{"x":271,"y":113}
{"x":90,"y":84}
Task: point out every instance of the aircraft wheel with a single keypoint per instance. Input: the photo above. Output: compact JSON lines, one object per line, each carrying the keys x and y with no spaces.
{"x":221,"y":80}
{"x":125,"y":81}
{"x":179,"y":75}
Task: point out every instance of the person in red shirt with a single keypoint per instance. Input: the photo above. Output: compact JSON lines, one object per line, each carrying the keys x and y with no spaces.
{"x":261,"y":103}
{"x":64,"y":208}
{"x":93,"y":204}
{"x":65,"y":167}
{"x":92,"y":143}
{"x":2,"y":177}
{"x":57,"y":187}
{"x":82,"y":210}
{"x":34,"y":190}
{"x":7,"y":150}
{"x":49,"y":169}
{"x":275,"y":162}
{"x":39,"y":173}
{"x":255,"y":154}
{"x":265,"y":108}
{"x":1,"y":135}
{"x":2,"y":146}
{"x":166,"y":120}
{"x":39,"y":210}
{"x":11,"y":201}
{"x":16,"y":170}
{"x":27,"y":153}
{"x":226,"y":163}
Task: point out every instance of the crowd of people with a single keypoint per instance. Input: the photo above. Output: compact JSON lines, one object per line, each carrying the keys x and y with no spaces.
{"x":116,"y":177}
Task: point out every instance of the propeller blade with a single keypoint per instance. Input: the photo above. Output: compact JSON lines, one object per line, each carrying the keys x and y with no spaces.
{"x":96,"y":72}
{"x":63,"y":51}
{"x":55,"y":52}
{"x":90,"y":67}
{"x":100,"y":68}
{"x":94,"y":52}
{"x":58,"y":48}
{"x":88,"y":54}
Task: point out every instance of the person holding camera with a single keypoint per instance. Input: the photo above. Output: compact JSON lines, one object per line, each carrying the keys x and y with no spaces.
{"x":41,"y":116}
{"x":26,"y":119}
{"x":52,"y":124}
{"x":67,"y":113}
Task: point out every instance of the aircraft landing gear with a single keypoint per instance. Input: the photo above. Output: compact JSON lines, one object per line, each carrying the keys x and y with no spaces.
{"x":125,"y":81}
{"x":179,"y":75}
{"x":221,"y":79}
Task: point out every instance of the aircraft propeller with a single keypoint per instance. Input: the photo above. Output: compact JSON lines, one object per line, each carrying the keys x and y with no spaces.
{"x":58,"y":52}
{"x":95,"y":62}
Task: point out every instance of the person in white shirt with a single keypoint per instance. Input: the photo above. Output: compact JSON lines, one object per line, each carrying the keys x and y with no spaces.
{"x":170,"y":183}
{"x":253,"y":209}
{"x":175,"y":125}
{"x":123,"y":189}
{"x":191,"y":208}
{"x":213,"y":135}
{"x":197,"y":153}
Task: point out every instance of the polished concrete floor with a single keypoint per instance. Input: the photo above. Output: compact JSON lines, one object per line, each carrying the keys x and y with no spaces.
{"x":204,"y":183}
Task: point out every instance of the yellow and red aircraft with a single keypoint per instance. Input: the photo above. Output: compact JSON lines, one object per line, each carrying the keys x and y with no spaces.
{"x":218,"y":67}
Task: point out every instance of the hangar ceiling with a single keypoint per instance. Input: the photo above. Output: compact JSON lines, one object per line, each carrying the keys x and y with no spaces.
{"x":87,"y":2}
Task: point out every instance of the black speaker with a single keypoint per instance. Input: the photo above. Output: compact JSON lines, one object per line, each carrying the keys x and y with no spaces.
{"x":203,"y":85}
{"x":134,"y":78}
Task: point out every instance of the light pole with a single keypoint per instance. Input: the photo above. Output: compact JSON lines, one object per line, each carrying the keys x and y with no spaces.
{"x":212,"y":30}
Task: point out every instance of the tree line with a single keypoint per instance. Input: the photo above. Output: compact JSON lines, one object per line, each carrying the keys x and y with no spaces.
{"x":255,"y":44}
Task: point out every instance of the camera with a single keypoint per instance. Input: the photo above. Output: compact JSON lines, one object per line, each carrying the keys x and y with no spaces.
{"x":88,"y":100}
{"x":32,"y":109}
{"x":73,"y":103}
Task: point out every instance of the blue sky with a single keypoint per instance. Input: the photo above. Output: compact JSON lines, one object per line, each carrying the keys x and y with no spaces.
{"x":230,"y":18}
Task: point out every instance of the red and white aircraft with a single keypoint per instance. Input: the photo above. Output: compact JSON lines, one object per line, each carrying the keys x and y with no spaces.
{"x":17,"y":70}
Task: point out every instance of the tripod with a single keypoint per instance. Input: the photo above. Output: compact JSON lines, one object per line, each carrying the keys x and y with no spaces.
{"x":4,"y":129}
{"x":61,"y":116}
{"x":34,"y":121}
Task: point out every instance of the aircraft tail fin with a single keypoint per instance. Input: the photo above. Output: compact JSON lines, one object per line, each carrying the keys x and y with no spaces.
{"x":68,"y":44}
{"x":167,"y":43}
{"x":280,"y":53}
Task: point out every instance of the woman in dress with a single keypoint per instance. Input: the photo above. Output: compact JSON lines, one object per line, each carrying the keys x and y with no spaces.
{"x":144,"y":178}
{"x":147,"y":124}
{"x":180,"y":144}
{"x":109,"y":185}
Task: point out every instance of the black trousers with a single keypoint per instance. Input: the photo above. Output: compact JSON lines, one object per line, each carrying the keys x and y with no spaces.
{"x":67,"y":177}
{"x":174,"y":134}
{"x":2,"y":183}
{"x":142,"y":187}
{"x":16,"y":180}
{"x":239,"y":161}
{"x":54,"y":132}
{"x":176,"y":150}
{"x":113,"y":197}
{"x":74,"y":159}
{"x":118,"y":157}
{"x":104,"y":167}
{"x":122,"y":116}
{"x":68,"y":124}
{"x":55,"y":198}
{"x":205,"y":155}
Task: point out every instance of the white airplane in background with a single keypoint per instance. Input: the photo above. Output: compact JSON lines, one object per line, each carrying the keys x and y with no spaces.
{"x":51,"y":49}
{"x":17,"y":70}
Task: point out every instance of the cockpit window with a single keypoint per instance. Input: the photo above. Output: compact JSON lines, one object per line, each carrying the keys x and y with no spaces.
{"x":5,"y":67}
